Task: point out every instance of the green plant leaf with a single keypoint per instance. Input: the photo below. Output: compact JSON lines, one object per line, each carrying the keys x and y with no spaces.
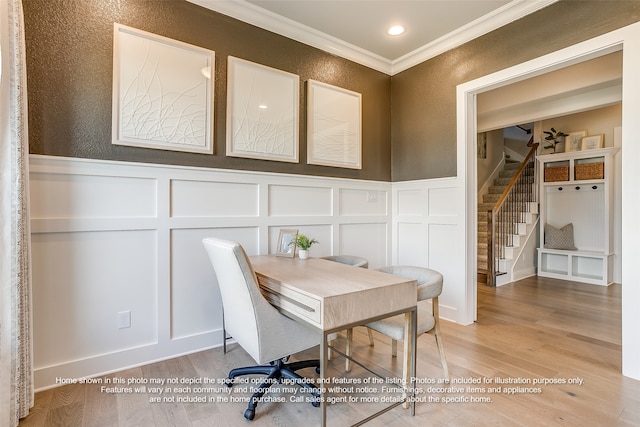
{"x":303,"y":242}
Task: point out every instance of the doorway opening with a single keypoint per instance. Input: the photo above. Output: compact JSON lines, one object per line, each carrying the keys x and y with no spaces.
{"x":482,"y":107}
{"x":626,"y":40}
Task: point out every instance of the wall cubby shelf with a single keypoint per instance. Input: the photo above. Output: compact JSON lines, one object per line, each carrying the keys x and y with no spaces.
{"x":577,"y":188}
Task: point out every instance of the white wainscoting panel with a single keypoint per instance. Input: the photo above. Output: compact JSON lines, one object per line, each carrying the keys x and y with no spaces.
{"x":116,"y":236}
{"x":291,"y":200}
{"x":81,"y":280}
{"x":91,"y":196}
{"x":413,"y":243}
{"x":426,"y":223}
{"x":441,"y":202}
{"x":443,"y":252}
{"x":362,"y":202}
{"x":213,"y":199}
{"x":411,"y":202}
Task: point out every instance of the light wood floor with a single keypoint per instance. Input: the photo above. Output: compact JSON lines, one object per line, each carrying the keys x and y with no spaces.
{"x":534,"y":329}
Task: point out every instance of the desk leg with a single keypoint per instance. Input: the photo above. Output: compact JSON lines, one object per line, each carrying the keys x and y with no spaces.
{"x":322,"y":384}
{"x":409,"y":365}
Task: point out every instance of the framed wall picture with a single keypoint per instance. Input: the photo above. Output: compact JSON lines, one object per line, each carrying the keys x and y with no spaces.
{"x":482,"y":145}
{"x":573,"y":141}
{"x":262,"y":112}
{"x":286,"y":247}
{"x":334,"y":126}
{"x":162,"y":97}
{"x":593,"y":141}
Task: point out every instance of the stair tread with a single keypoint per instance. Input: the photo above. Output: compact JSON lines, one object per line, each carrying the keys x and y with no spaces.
{"x":487,"y":198}
{"x":512,"y":164}
{"x":497,"y":189}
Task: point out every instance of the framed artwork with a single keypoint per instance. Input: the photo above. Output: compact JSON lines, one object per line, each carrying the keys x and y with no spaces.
{"x":592,"y":142}
{"x":285,"y":247}
{"x":262,"y":112}
{"x":573,"y":141}
{"x":482,"y":145}
{"x":162,"y":97}
{"x":334,"y":126}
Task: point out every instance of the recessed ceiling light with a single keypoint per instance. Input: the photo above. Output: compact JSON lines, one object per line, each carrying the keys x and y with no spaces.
{"x":396,"y":30}
{"x":262,"y":107}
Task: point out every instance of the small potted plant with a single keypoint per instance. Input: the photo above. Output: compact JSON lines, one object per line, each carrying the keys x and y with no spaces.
{"x":303,"y":243}
{"x":554,"y":138}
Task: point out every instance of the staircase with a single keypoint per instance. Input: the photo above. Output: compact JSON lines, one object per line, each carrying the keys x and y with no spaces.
{"x":488,"y":201}
{"x":516,"y":222}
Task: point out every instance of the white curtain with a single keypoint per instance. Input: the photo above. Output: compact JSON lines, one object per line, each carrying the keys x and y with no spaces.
{"x":16,"y":356}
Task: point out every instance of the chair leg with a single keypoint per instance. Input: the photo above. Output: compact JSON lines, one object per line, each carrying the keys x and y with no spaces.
{"x":394,"y":348}
{"x":224,"y":335}
{"x":224,"y":340}
{"x":289,"y":372}
{"x":301,"y":364}
{"x":251,"y":370}
{"x":271,"y":371}
{"x":443,"y":359}
{"x":370,"y":336}
{"x":275,"y":371}
{"x":347,"y":361}
{"x":330,"y":339}
{"x":250,"y":413}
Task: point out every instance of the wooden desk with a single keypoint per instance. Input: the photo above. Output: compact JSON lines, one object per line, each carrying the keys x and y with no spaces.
{"x":331,"y":297}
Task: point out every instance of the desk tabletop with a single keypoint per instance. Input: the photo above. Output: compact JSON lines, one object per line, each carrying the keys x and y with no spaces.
{"x":328,"y":294}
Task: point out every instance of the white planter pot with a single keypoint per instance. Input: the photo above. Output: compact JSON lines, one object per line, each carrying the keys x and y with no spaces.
{"x":303,"y":253}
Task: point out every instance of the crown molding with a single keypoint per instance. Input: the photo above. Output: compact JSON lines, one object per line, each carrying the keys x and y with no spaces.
{"x":265,"y":19}
{"x":498,"y":18}
{"x":254,"y":15}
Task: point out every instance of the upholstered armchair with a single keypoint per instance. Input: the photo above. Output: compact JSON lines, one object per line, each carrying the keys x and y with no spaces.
{"x":261,"y":330}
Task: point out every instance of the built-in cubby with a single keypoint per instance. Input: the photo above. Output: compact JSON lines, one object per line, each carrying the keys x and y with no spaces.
{"x":577,"y":188}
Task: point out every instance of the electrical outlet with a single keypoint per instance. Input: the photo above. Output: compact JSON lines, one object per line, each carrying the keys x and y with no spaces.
{"x":372,"y":196}
{"x":124,"y":319}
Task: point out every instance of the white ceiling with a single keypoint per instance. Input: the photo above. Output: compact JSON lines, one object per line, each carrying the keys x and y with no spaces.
{"x":363,"y":23}
{"x":356,"y":29}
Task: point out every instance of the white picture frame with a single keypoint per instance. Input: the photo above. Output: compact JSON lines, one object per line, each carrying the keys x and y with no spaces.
{"x":573,"y":141}
{"x":592,"y":142}
{"x":162,"y":97}
{"x":286,"y":248}
{"x":334,"y":126}
{"x":262,"y":112}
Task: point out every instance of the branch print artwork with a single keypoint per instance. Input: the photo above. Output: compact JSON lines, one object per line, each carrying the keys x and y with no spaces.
{"x":162,"y":95}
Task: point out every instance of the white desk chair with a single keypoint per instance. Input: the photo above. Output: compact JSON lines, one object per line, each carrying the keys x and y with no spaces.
{"x":260,"y":329}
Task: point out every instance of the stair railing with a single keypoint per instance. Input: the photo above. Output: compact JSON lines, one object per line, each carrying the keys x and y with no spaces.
{"x":507,"y":212}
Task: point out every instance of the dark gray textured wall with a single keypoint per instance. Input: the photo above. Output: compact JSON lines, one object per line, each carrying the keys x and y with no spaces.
{"x":409,"y":129}
{"x":69,"y":47}
{"x":423,"y":131}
